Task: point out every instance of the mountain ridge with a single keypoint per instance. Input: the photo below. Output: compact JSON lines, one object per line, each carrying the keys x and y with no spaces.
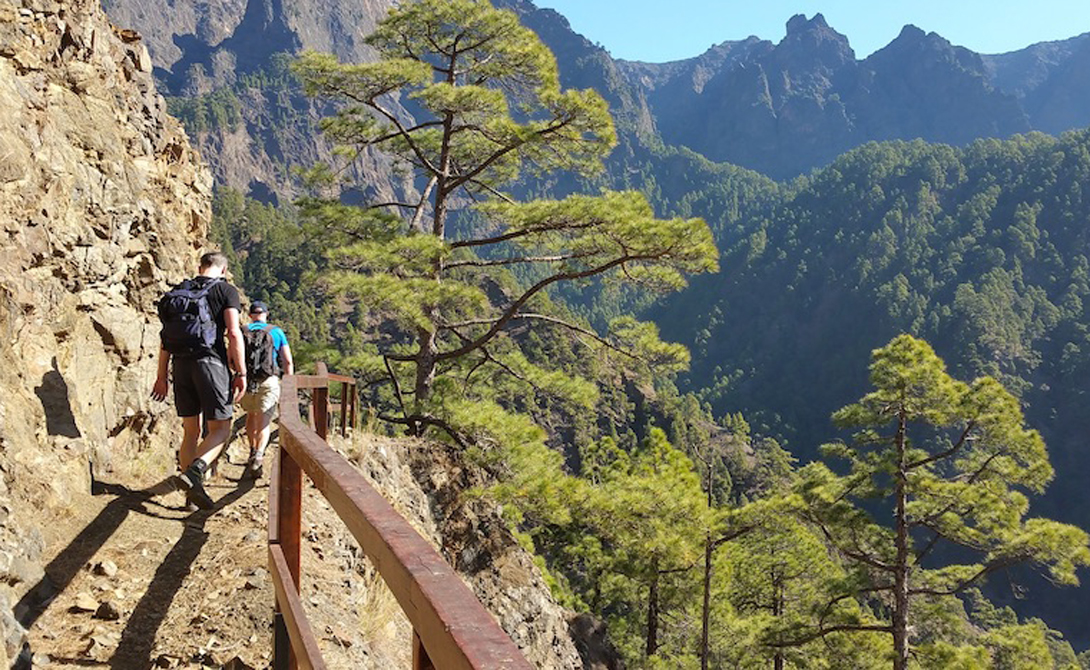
{"x":781,"y":108}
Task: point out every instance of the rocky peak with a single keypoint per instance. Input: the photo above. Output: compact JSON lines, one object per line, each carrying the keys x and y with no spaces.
{"x":817,"y":41}
{"x":911,"y":33}
{"x":799,"y":25}
{"x":921,"y":85}
{"x":913,"y":41}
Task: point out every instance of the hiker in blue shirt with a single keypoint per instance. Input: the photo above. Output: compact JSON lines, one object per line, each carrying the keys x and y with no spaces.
{"x":269,"y":356}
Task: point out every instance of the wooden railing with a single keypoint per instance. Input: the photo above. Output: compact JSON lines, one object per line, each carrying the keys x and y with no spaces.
{"x":451,"y":629}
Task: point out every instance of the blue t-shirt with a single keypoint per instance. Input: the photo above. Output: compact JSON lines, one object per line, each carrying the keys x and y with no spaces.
{"x":278,"y":337}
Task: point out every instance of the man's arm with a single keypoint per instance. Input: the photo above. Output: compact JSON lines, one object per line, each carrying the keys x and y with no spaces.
{"x":236,"y":352}
{"x":159,"y":390}
{"x":286,"y":361}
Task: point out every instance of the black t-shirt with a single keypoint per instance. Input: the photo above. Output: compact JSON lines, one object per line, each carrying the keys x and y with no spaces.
{"x":221,"y":297}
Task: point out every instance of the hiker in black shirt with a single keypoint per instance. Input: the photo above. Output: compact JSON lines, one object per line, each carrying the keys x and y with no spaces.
{"x":203,"y":385}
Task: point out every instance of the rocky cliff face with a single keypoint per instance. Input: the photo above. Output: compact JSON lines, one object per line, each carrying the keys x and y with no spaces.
{"x":232,"y":54}
{"x":585,"y":65}
{"x":102,"y":201}
{"x":167,"y":26}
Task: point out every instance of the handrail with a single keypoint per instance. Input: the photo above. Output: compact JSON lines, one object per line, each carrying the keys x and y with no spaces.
{"x":451,"y":628}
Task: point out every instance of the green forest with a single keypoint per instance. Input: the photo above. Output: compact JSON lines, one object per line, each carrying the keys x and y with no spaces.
{"x":747,"y":424}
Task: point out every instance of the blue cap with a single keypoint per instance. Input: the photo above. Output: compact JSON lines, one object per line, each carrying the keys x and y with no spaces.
{"x":258,"y":307}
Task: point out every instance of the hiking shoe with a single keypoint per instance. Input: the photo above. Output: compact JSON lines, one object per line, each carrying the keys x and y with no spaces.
{"x":254,"y":468}
{"x":192,"y":480}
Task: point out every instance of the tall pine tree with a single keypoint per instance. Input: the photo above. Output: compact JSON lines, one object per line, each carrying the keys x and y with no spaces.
{"x":486,"y":105}
{"x":952,"y":462}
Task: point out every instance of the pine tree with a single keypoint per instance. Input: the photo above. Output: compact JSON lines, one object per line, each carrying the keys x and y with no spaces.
{"x":487,"y":106}
{"x":952,"y":461}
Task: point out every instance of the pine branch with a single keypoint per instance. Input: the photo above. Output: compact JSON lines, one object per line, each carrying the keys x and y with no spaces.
{"x":929,"y":519}
{"x":397,"y":385}
{"x":419,"y":213}
{"x":480,"y":242}
{"x":945,"y":454}
{"x":987,"y":569}
{"x":427,"y":420}
{"x":404,"y":134}
{"x":512,"y":310}
{"x":478,"y":263}
{"x":492,"y":191}
{"x":858,"y":554}
{"x":497,"y":155}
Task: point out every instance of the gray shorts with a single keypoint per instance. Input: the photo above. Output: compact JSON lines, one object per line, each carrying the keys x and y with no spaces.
{"x":202,"y":386}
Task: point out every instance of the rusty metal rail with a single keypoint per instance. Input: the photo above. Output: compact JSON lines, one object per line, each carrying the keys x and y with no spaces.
{"x":451,"y":629}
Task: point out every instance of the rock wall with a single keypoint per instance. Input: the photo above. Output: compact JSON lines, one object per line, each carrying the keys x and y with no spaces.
{"x":102,"y":202}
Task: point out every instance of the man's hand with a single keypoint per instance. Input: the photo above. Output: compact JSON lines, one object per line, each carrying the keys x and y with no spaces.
{"x":162,"y":377}
{"x":238,"y":385}
{"x":159,"y":390}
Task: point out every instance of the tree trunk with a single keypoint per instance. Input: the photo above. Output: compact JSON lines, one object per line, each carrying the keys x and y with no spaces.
{"x":706,"y":613}
{"x":900,"y":578}
{"x":425,"y":376}
{"x":429,"y":348}
{"x":653,"y":612}
{"x":777,"y":611}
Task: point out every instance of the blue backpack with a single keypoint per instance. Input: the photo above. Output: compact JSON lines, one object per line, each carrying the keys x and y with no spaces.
{"x":189,"y":326}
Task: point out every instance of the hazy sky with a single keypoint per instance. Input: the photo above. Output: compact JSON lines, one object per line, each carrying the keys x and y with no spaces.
{"x":664,"y":30}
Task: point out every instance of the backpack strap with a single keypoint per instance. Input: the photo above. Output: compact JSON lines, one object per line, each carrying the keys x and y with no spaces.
{"x":203,"y":290}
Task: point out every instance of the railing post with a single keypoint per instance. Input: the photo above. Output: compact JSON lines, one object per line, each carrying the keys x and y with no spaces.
{"x":421,"y":661}
{"x":320,"y":405}
{"x":289,"y":530}
{"x":321,"y":412}
{"x":344,"y":409}
{"x":355,"y":403}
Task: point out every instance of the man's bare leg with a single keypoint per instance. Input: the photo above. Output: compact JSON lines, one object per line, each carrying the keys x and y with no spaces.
{"x":206,"y":452}
{"x":262,"y":427}
{"x":264,"y":431}
{"x":213,"y":443}
{"x":253,"y":427}
{"x":191,"y":435}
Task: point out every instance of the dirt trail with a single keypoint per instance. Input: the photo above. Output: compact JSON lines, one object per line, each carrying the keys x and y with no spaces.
{"x":136,"y":581}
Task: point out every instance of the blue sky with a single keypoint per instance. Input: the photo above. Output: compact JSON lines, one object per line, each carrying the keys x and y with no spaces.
{"x":664,"y":30}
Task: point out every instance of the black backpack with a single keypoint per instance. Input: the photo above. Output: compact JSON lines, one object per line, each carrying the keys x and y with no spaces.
{"x":260,"y":355}
{"x":189,"y":326}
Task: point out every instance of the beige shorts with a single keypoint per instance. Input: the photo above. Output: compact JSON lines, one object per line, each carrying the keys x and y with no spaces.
{"x":264,"y":398}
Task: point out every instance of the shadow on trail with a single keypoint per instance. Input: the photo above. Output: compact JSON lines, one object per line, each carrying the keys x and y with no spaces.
{"x":138,"y":638}
{"x":168,"y":578}
{"x":64,"y":567}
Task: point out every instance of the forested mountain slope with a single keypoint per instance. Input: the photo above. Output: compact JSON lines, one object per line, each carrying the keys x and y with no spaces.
{"x":983,"y":251}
